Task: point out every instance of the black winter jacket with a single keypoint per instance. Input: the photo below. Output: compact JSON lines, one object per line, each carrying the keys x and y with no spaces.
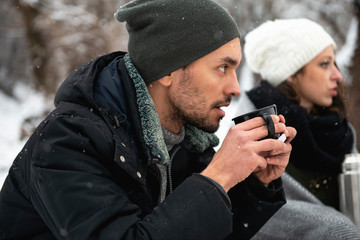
{"x":96,"y":168}
{"x":322,"y":141}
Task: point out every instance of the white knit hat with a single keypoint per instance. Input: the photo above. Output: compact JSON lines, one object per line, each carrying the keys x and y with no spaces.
{"x":278,"y":49}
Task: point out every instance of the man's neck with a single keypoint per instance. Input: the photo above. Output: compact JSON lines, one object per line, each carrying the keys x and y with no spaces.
{"x":168,"y":118}
{"x":172,"y":139}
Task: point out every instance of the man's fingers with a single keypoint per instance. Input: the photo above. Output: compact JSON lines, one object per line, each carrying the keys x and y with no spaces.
{"x":282,"y":118}
{"x":255,"y":123}
{"x":256,"y":128}
{"x":291,"y":133}
{"x":269,"y":145}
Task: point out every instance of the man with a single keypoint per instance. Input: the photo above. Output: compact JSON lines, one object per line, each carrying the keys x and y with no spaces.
{"x":128,"y":151}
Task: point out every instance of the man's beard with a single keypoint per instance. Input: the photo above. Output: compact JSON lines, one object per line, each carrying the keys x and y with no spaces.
{"x":186,"y":111}
{"x":199,"y":121}
{"x":193,"y":118}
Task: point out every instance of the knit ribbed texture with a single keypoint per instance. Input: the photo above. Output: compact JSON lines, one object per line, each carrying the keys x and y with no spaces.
{"x":171,"y":139}
{"x":278,"y":49}
{"x":303,"y":217}
{"x":166,"y":35}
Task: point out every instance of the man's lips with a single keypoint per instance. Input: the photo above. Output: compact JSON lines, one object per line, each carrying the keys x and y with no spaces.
{"x":223,"y":105}
{"x":219,"y":110}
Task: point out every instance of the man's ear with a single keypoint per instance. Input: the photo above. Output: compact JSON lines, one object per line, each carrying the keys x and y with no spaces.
{"x":166,"y":81}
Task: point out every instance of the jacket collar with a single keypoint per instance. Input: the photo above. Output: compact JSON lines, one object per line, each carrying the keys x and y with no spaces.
{"x":195,"y":140}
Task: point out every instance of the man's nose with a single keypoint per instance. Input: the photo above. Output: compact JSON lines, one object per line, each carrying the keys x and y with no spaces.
{"x":232,"y":88}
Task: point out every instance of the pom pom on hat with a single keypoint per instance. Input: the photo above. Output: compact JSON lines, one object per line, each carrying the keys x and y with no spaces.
{"x":278,"y":49}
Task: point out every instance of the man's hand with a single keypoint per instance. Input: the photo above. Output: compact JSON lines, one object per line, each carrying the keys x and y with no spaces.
{"x":242,"y":153}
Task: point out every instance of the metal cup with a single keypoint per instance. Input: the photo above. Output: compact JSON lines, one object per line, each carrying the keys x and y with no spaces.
{"x":349,"y":186}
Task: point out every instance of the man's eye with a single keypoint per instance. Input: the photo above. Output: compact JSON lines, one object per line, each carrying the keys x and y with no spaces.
{"x":223,"y":68}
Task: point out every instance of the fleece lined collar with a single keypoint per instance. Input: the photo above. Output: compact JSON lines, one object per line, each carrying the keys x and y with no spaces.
{"x":195,"y":140}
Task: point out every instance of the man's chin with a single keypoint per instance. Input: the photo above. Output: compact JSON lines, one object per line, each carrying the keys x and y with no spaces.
{"x":209,"y":128}
{"x":206,"y":125}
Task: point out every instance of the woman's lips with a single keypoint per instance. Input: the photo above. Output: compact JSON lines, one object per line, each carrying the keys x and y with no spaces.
{"x":334,"y":92}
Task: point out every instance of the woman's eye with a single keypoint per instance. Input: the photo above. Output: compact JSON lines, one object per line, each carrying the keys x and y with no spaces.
{"x":223,"y":68}
{"x":324,"y":64}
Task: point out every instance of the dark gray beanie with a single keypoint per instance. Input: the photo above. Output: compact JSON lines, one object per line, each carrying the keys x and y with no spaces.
{"x":166,"y":35}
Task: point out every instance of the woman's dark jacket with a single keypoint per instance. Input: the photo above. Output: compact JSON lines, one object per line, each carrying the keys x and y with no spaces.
{"x":319,"y":147}
{"x":96,"y":168}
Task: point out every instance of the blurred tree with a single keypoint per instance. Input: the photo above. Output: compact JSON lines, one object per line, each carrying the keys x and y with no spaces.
{"x":354,"y":89}
{"x":62,"y":35}
{"x":13,"y":54}
{"x":36,"y":44}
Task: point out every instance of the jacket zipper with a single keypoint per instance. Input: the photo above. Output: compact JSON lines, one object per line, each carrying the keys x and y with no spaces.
{"x":169,"y":168}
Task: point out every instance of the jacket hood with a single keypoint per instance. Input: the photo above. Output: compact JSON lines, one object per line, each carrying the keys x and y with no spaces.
{"x":78,"y":87}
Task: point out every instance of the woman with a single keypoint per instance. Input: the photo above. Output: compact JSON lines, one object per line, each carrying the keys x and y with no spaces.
{"x":296,"y":60}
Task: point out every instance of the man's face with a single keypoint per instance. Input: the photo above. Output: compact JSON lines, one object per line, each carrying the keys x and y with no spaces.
{"x":200,"y":89}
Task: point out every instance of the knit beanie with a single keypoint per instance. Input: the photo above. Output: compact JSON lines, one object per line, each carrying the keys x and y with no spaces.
{"x":278,"y":49}
{"x":166,"y":35}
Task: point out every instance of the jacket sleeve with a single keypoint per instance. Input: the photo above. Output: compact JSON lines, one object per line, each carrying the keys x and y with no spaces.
{"x":77,"y":197}
{"x":253,"y":205}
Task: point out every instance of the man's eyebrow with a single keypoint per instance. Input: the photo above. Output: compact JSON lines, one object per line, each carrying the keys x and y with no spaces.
{"x":230,"y":61}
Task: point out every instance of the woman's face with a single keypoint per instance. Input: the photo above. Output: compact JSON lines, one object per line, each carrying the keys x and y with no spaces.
{"x":318,"y":82}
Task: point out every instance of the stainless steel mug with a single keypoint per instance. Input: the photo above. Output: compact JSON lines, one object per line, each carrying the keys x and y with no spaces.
{"x":349,"y":186}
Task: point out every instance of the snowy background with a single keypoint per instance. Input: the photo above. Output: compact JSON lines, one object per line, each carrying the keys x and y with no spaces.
{"x":13,"y":112}
{"x":24,"y":102}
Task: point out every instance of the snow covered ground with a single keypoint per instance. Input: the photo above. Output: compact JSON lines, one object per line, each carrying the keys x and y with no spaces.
{"x":29,"y":103}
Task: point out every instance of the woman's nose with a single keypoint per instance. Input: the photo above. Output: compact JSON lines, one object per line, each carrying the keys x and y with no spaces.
{"x":336,"y":75}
